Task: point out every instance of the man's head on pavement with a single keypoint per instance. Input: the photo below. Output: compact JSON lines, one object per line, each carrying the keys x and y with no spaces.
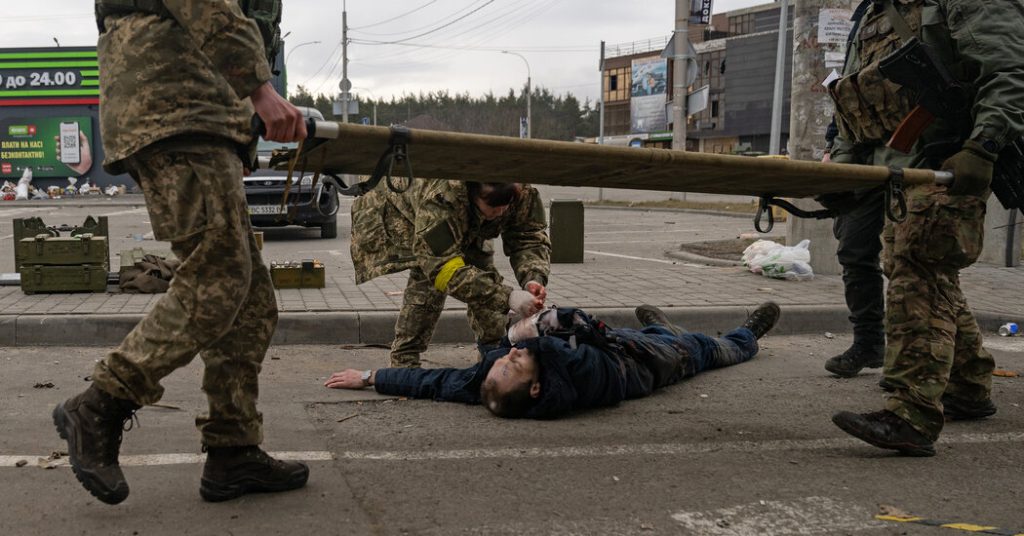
{"x":513,"y":383}
{"x":492,"y":199}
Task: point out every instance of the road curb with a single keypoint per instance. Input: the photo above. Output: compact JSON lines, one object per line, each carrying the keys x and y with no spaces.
{"x":378,"y":327}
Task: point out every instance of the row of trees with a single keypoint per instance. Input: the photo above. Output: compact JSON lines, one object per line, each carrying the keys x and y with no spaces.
{"x":554,"y":117}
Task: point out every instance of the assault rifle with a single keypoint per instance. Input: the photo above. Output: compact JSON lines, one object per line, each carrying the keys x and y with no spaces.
{"x":917,"y":67}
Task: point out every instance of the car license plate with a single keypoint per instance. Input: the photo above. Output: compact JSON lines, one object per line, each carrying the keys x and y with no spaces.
{"x":265,"y":209}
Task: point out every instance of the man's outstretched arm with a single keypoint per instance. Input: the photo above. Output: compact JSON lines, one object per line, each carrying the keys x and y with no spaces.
{"x":448,"y":384}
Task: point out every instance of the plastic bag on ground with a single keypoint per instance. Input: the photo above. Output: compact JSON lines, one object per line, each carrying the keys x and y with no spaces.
{"x":772,"y":259}
{"x":21,"y":190}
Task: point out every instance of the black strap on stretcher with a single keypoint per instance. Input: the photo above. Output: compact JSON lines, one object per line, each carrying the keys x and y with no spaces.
{"x":895,"y":205}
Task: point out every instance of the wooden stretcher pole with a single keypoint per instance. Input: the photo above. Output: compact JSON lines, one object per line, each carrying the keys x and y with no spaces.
{"x":355,"y":148}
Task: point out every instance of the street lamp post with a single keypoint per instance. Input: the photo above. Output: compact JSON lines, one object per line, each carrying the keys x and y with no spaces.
{"x":529,"y":91}
{"x":296,"y":47}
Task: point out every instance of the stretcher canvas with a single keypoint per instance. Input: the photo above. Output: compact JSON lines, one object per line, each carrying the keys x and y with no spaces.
{"x":477,"y":157}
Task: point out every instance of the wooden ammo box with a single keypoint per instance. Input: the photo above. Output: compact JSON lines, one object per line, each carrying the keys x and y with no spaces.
{"x":81,"y":278}
{"x":50,"y":262}
{"x":309,"y":273}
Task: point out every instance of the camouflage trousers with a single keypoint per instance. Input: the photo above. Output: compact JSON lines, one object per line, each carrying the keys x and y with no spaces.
{"x":421,"y":308}
{"x":933,"y":341}
{"x":221,"y":301}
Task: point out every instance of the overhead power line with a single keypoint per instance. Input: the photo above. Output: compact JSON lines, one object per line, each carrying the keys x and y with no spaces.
{"x":407,"y":13}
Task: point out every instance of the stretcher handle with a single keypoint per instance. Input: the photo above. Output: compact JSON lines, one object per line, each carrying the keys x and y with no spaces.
{"x":315,"y":128}
{"x":944,"y":178}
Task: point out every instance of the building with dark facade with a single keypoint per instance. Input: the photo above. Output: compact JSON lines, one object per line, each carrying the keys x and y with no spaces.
{"x":736,"y":56}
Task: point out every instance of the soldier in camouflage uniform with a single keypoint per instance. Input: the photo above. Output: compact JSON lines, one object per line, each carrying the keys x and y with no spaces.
{"x":441,"y":232}
{"x":934,"y":357}
{"x":181,"y":79}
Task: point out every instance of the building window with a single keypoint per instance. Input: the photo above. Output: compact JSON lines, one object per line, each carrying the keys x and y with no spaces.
{"x":714,"y":107}
{"x":613,"y":82}
{"x":617,"y":84}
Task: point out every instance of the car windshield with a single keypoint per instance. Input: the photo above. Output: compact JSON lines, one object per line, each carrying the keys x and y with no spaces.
{"x":265,"y":147}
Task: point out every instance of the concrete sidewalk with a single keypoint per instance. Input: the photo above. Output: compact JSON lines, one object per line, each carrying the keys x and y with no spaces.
{"x":700,"y":297}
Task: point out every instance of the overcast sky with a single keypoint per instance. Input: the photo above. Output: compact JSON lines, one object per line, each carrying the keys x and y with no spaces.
{"x":438,"y":44}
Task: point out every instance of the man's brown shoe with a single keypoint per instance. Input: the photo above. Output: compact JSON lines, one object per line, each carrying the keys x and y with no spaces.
{"x":649,"y":315}
{"x":93,"y":423}
{"x":884,"y":429}
{"x":763,"y":319}
{"x":231,"y":472}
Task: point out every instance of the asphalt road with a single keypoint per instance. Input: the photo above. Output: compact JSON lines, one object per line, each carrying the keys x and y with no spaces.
{"x":747,"y":450}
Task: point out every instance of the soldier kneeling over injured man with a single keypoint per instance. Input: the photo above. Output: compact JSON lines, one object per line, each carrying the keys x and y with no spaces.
{"x":561,"y":360}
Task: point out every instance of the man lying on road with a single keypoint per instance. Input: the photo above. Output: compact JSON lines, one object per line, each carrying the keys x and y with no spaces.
{"x":561,"y":360}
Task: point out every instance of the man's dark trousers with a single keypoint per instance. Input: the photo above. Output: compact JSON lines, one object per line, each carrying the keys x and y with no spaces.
{"x":858,"y":230}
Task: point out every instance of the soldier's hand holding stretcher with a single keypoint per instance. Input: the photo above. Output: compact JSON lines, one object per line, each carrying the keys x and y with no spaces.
{"x":972,"y":169}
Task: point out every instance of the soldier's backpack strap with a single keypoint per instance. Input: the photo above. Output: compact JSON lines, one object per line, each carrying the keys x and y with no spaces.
{"x":267,"y":15}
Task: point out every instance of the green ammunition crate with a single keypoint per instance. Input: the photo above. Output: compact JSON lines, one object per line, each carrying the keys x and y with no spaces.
{"x":291,"y":274}
{"x":62,"y":250}
{"x":566,"y":231}
{"x":81,"y":278}
{"x":30,"y":228}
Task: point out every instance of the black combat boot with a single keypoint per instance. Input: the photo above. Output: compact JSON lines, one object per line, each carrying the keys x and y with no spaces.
{"x":962,"y":410}
{"x":649,"y":315}
{"x":92,"y":423}
{"x":884,"y":429}
{"x":856,"y":357}
{"x":763,"y":319}
{"x":231,"y":472}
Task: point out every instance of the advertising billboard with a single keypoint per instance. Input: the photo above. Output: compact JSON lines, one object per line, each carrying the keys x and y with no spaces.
{"x":50,"y":146}
{"x":49,"y":76}
{"x":700,"y":11}
{"x":648,"y":94}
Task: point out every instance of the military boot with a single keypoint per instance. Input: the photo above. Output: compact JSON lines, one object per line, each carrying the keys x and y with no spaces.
{"x":93,"y":423}
{"x":763,"y":319}
{"x":856,"y":357}
{"x":884,"y":429}
{"x":231,"y":472}
{"x":649,"y":315}
{"x":963,"y":410}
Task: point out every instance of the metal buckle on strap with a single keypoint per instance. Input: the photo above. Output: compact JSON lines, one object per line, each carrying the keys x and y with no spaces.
{"x":894,"y":192}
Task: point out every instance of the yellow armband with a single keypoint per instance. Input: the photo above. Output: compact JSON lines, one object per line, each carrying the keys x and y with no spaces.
{"x":446,"y":273}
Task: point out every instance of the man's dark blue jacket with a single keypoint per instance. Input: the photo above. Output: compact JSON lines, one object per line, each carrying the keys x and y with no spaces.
{"x":571,"y":378}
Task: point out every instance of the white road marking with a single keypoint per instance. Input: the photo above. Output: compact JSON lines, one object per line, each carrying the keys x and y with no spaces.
{"x":643,"y":449}
{"x":646,"y":231}
{"x":663,"y":261}
{"x":160,"y":459}
{"x":123,"y":212}
{"x":805,"y":516}
{"x":1006,"y":344}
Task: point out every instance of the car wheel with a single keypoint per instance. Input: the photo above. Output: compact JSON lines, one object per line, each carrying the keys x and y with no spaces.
{"x":329,"y":230}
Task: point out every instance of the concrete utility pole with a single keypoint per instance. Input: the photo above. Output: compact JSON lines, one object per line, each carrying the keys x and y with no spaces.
{"x":346,"y":84}
{"x":810,"y":113}
{"x":780,"y":71}
{"x":682,"y":39}
{"x":600,"y":115}
{"x":529,"y":93}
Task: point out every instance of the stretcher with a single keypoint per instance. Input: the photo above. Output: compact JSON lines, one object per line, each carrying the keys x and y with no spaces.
{"x":397,"y":154}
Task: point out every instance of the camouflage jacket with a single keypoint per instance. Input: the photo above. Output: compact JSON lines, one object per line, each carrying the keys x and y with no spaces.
{"x":435,"y":227}
{"x":979,"y":42}
{"x":190,"y":74}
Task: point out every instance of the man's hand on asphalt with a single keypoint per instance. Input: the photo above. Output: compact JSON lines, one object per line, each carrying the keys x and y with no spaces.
{"x":283,"y":120}
{"x":347,"y":379}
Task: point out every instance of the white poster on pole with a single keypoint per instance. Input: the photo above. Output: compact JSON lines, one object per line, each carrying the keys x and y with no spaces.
{"x":834,"y":26}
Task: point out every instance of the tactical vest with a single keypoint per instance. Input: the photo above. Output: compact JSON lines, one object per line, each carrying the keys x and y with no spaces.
{"x":266,"y":14}
{"x":869,"y":107}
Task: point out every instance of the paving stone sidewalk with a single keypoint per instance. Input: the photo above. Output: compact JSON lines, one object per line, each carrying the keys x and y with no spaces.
{"x":698,"y":295}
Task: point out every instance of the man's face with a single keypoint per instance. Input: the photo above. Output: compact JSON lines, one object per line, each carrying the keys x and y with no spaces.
{"x":487,"y":211}
{"x":513,"y":369}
